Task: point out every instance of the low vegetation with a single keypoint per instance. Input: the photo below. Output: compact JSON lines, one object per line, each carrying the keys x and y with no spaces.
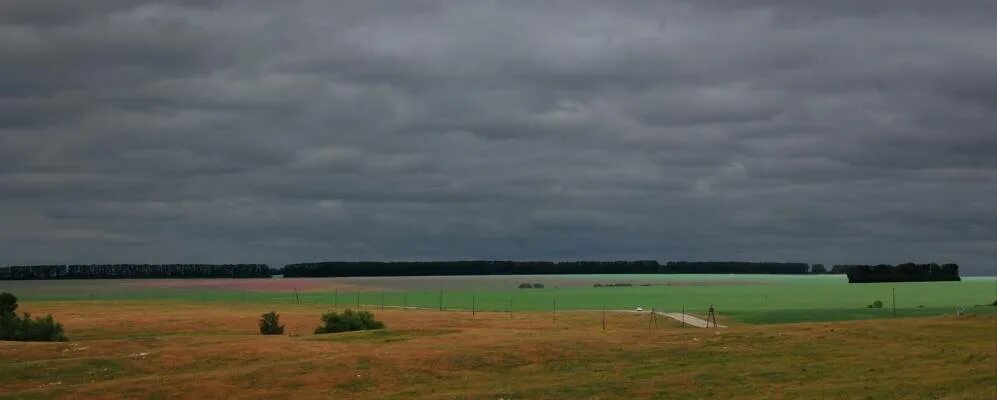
{"x":23,"y":327}
{"x":531,"y":286}
{"x":270,"y":324}
{"x":202,"y":349}
{"x":349,"y":320}
{"x":876,"y":304}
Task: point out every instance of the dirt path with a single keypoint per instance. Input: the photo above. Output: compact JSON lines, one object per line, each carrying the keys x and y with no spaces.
{"x":689,"y":319}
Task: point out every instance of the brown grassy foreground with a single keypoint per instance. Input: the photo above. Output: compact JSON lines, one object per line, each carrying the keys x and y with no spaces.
{"x":188,"y":350}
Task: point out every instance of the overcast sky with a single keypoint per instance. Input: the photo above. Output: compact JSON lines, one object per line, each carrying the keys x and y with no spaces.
{"x":286,"y":131}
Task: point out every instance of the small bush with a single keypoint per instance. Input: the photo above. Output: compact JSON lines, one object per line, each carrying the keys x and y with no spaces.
{"x":24,"y":328}
{"x":994,"y":303}
{"x":270,"y":324}
{"x":349,"y":320}
{"x":597,"y":285}
{"x":525,"y":286}
{"x":876,"y":304}
{"x":8,"y":303}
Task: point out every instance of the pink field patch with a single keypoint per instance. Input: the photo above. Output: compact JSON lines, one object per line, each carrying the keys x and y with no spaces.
{"x":260,"y":284}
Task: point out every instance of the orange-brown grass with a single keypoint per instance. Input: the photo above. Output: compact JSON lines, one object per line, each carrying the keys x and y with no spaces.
{"x":188,"y":350}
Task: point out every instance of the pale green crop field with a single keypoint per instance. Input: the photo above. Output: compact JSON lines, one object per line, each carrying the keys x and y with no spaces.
{"x":745,"y":298}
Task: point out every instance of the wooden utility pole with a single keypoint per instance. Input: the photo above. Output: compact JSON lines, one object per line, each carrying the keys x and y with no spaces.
{"x":441,"y":299}
{"x":894,"y":302}
{"x":472,"y":305}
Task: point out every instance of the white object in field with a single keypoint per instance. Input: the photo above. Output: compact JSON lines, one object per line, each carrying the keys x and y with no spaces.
{"x":640,"y":308}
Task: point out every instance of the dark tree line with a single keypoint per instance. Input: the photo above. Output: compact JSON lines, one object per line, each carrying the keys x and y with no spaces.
{"x":734,"y":267}
{"x":484,"y":267}
{"x":105,"y":271}
{"x":908,"y":272}
{"x":856,"y":273}
{"x":840,"y":269}
{"x":430,"y":268}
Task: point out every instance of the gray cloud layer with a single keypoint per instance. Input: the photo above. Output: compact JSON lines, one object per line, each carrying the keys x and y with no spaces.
{"x":175,"y":131}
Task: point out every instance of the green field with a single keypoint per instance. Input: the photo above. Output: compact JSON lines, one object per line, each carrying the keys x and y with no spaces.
{"x":747,"y":298}
{"x":159,"y":339}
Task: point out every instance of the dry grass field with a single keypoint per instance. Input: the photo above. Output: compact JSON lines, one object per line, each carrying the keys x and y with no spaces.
{"x":162,"y":350}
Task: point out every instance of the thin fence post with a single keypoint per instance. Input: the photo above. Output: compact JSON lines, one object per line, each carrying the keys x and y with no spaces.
{"x":510,"y":307}
{"x":441,"y":299}
{"x":894,"y":302}
{"x":683,"y":315}
{"x":382,"y":300}
{"x":404,"y":301}
{"x":604,"y":316}
{"x":472,"y":305}
{"x":358,"y":300}
{"x":555,"y":310}
{"x":335,"y":300}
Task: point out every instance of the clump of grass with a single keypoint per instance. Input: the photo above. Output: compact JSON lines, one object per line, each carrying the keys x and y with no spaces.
{"x":349,"y":320}
{"x":876,"y":304}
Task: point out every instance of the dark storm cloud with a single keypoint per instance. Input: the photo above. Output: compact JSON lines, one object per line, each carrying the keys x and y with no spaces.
{"x":173,"y":131}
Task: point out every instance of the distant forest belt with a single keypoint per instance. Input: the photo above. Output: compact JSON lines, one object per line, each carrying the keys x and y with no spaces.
{"x":908,"y":272}
{"x":451,"y":268}
{"x":134,"y":271}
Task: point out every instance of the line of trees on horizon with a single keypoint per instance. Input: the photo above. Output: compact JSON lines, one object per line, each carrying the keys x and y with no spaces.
{"x":133,"y":271}
{"x":856,"y":273}
{"x":471,"y":267}
{"x":498,"y":267}
{"x":734,"y":267}
{"x":907,"y":272}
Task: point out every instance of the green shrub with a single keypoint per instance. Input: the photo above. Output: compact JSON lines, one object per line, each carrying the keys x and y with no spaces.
{"x":24,"y":328}
{"x":876,"y":304}
{"x":349,"y":320}
{"x":525,"y":286}
{"x":8,"y":303}
{"x":270,"y":324}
